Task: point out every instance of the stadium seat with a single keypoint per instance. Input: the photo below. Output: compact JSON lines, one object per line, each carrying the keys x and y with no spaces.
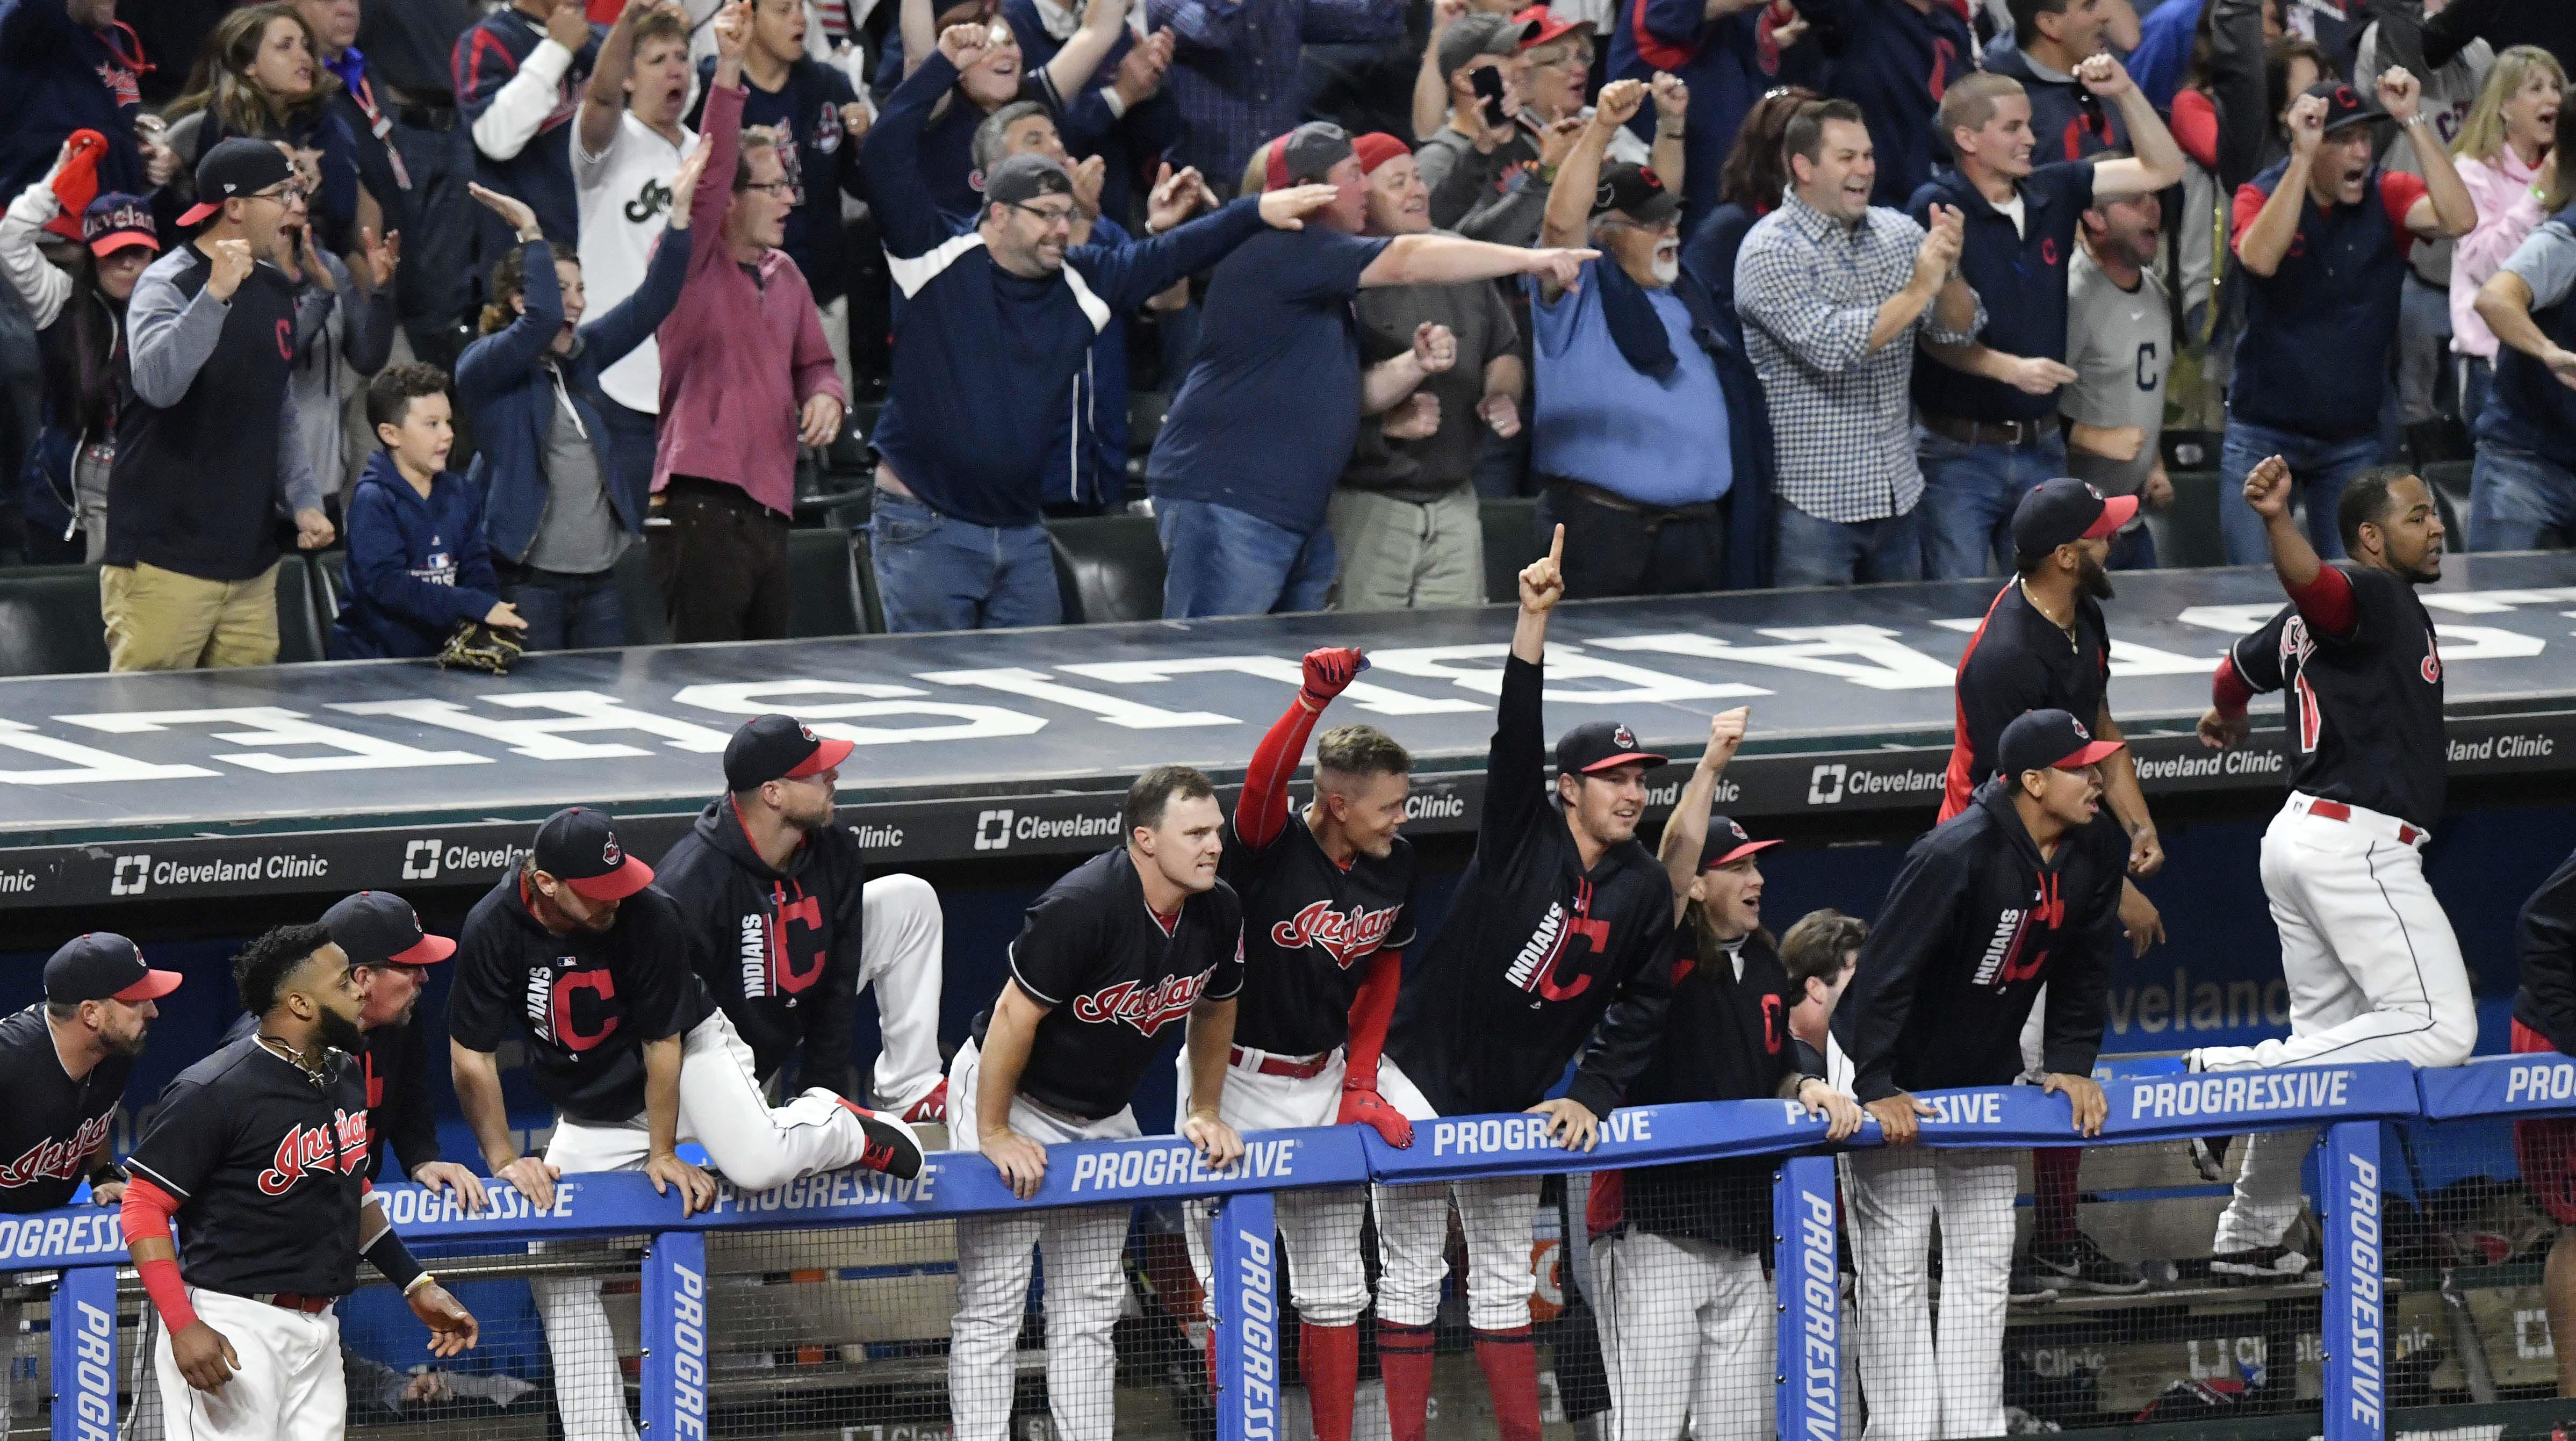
{"x":2187,"y":531}
{"x":871,"y":607}
{"x":641,"y":596}
{"x":49,"y":621}
{"x":822,"y":584}
{"x":1108,"y":568}
{"x":1511,"y":541}
{"x":330,"y":571}
{"x":2451,"y":478}
{"x":299,"y":630}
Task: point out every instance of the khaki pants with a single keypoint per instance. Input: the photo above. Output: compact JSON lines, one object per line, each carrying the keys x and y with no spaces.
{"x":161,"y":620}
{"x":1397,"y":554}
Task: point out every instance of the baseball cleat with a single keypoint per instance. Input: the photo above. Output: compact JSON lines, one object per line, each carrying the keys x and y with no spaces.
{"x":890,"y":1147}
{"x":2081,"y":1265}
{"x":2261,"y":1263}
{"x":931,"y":1109}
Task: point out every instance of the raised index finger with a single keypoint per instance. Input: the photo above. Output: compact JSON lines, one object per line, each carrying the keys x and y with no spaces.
{"x":1556,"y":546}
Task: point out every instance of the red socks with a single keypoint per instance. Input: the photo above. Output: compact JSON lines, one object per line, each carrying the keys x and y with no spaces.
{"x":1404,"y":1356}
{"x":1332,"y":1363}
{"x":1510,"y":1362}
{"x":2053,"y":1193}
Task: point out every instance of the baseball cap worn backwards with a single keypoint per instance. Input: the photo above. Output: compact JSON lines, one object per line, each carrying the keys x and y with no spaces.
{"x":1307,"y":154}
{"x":1025,"y":177}
{"x":578,"y":846}
{"x":1469,"y":36}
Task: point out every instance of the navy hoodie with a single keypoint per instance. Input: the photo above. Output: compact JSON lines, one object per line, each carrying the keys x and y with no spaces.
{"x":57,"y":77}
{"x":417,"y":565}
{"x":778,"y":949}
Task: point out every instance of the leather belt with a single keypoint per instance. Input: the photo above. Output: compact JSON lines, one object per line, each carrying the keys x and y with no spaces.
{"x":291,"y":1301}
{"x":1990,"y":432}
{"x":1612,"y":500}
{"x":2407,"y":835}
{"x":1305,"y":1070}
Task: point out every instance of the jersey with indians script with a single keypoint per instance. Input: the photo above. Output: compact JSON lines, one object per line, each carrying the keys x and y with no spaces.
{"x":52,"y":1122}
{"x":1309,"y":927}
{"x":269,"y":1165}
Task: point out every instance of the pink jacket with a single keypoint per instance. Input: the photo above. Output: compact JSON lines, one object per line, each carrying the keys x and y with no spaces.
{"x":739,"y":358}
{"x":2507,"y":212}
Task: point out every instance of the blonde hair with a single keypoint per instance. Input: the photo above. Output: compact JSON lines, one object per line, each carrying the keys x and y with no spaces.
{"x":1970,"y":102}
{"x":1256,"y":171}
{"x":2483,"y":134}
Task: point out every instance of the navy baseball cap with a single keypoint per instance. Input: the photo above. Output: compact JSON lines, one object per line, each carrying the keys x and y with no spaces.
{"x":103,"y":966}
{"x":2344,"y":105}
{"x":2065,"y":510}
{"x":778,"y":748}
{"x":379,"y":928}
{"x":1635,"y":191}
{"x":1727,"y":840}
{"x":2049,"y":740}
{"x":114,"y":222}
{"x":1599,"y":745}
{"x":578,"y":846}
{"x":235,"y":168}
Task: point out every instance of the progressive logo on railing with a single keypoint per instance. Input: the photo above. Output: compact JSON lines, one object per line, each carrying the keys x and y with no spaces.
{"x":2367,"y":1330}
{"x":1820,"y":1304}
{"x":1258,"y":1308}
{"x":93,"y":1331}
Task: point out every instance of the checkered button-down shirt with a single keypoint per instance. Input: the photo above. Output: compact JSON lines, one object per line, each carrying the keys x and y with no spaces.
{"x":1808,"y":290}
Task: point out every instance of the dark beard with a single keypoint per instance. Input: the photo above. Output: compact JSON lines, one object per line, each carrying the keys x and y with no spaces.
{"x":2095,"y":581}
{"x":336,"y":1031}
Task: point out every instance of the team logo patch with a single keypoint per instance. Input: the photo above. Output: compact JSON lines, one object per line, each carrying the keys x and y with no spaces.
{"x":341,"y":1147}
{"x":2431,"y":667}
{"x":1624,"y":738}
{"x":1149,"y":1010}
{"x":610,"y":853}
{"x":1344,"y":937}
{"x":808,"y":733}
{"x":827,"y":128}
{"x":2080,"y":731}
{"x":1737,"y":830}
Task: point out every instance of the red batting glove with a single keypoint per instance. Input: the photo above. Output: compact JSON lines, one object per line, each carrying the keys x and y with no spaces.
{"x":1368,"y":1108}
{"x":1329,"y":672}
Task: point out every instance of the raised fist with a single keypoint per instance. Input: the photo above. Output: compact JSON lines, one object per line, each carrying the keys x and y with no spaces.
{"x":1329,"y":672}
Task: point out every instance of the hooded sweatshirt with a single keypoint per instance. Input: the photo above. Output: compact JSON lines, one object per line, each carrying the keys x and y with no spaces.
{"x":777,"y":948}
{"x":1975,"y":924}
{"x":417,"y":564}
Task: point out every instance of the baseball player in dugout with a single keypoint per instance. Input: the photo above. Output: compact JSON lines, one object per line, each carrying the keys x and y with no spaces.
{"x":1686,"y":1310}
{"x":2045,"y":645}
{"x":1327,"y":896}
{"x":2373,"y":970}
{"x":789,"y":932}
{"x":2020,"y":890}
{"x":259,"y":1152}
{"x":1550,"y":949}
{"x":63,"y":1066}
{"x":1127,"y":943}
{"x":578,"y":956}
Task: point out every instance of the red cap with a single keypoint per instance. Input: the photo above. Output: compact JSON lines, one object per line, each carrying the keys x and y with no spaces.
{"x":1376,"y":148}
{"x":2117,"y":511}
{"x":1549,"y":26}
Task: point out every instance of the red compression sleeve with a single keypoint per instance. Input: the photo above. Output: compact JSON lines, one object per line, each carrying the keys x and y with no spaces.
{"x":146,"y":1212}
{"x":2326,"y":602}
{"x":2228,"y":690}
{"x":1370,"y":1011}
{"x":1262,"y":813}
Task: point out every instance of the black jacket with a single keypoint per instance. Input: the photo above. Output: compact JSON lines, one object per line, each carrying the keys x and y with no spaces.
{"x":1539,"y":957}
{"x":1725,"y":1038}
{"x":1975,"y":924}
{"x":778,"y":949}
{"x":2545,"y":937}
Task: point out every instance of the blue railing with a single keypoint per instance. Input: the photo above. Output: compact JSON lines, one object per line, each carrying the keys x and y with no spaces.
{"x":2347,"y":1103}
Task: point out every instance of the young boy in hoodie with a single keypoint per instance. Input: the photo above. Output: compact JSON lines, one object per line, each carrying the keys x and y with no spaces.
{"x":417,"y":560}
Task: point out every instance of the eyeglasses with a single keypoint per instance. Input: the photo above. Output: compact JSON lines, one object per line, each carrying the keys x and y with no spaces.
{"x":781,"y":189}
{"x":1045,"y":217}
{"x":288,"y":195}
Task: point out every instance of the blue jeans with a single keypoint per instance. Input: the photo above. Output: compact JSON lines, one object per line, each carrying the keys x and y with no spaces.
{"x":1969,"y":495}
{"x":1222,"y":561}
{"x":1809,"y":551}
{"x":2477,"y":380}
{"x":936,"y":572}
{"x":2520,"y":501}
{"x":564,"y":611}
{"x":2319,"y":469}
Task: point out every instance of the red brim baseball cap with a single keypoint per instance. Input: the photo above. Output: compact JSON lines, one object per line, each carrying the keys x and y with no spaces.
{"x":196,"y":214}
{"x":429,"y":952}
{"x":153,"y":986}
{"x":116,"y":240}
{"x":1737,"y":854}
{"x":1549,"y":26}
{"x":2117,"y":511}
{"x":2086,"y":755}
{"x":829,"y":754}
{"x":630,"y":876}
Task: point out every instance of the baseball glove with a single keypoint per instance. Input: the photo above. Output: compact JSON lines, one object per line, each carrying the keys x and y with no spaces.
{"x":478,"y":646}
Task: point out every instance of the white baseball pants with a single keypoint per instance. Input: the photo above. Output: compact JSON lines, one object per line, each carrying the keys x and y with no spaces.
{"x":901,"y":949}
{"x":2374,"y":974}
{"x":289,"y":1382}
{"x":1687,"y":1336}
{"x":1326,"y":1281}
{"x":1086,"y":1284}
{"x":751,"y":1145}
{"x":1497,"y":1214}
{"x":1922,"y":1387}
